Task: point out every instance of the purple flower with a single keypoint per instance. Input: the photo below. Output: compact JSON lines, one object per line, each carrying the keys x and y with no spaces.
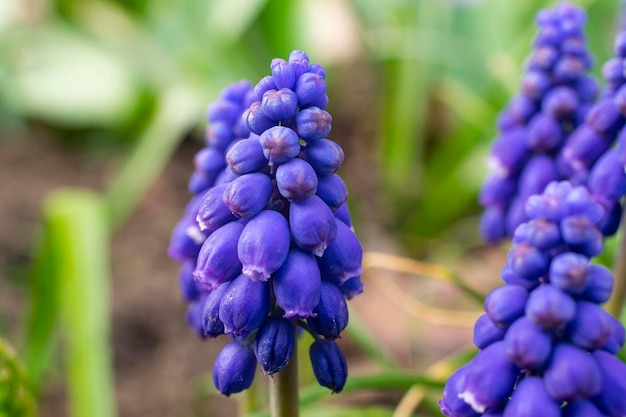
{"x":312,"y":224}
{"x":234,"y":368}
{"x":330,"y":316}
{"x":280,"y":144}
{"x":313,"y":123}
{"x":572,"y":374}
{"x":332,"y":190}
{"x":218,"y":261}
{"x":591,"y":327}
{"x":329,"y":365}
{"x":296,"y":180}
{"x":245,"y":196}
{"x":451,"y":404}
{"x":568,"y":272}
{"x":246,"y":156}
{"x":283,"y":74}
{"x":530,"y":399}
{"x":297,"y":285}
{"x":549,"y":307}
{"x":343,"y":256}
{"x":611,"y":400}
{"x":244,"y":306}
{"x":324,"y":155}
{"x":506,"y":304}
{"x":212,"y":326}
{"x":527,"y":346}
{"x":279,"y":105}
{"x":486,"y":332}
{"x":274,"y":344}
{"x":213,"y":213}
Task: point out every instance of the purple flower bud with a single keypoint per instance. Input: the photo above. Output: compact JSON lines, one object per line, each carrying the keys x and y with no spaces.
{"x":331,"y":313}
{"x":244,"y":306}
{"x":313,"y":123}
{"x":560,"y":103}
{"x":489,"y":379}
{"x":312,"y":224}
{"x":617,"y":338}
{"x":607,"y":180}
{"x":218,"y":261}
{"x":539,"y":171}
{"x":274,"y":344}
{"x":605,"y":118}
{"x":279,"y":105}
{"x":332,"y":190}
{"x":284,"y":75}
{"x":516,"y":214}
{"x":246,"y":156}
{"x":256,"y":120}
{"x":572,"y":374}
{"x":213,"y":213}
{"x":599,"y":284}
{"x":506,"y":304}
{"x":583,"y":147}
{"x":245,"y":196}
{"x":530,"y":399}
{"x":619,"y":45}
{"x":610,"y":221}
{"x":491,"y":225}
{"x":343,"y":256}
{"x":223,"y":110}
{"x":542,"y":234}
{"x":580,"y":201}
{"x":209,"y":160}
{"x":527,"y":261}
{"x":542,"y":58}
{"x":280,"y":144}
{"x":508,"y":153}
{"x":581,"y":409}
{"x":226,"y":176}
{"x":486,"y":332}
{"x":548,"y":34}
{"x":199,"y":181}
{"x":535,"y":84}
{"x":299,"y":62}
{"x":309,"y":88}
{"x":264,"y":245}
{"x":219,"y":134}
{"x":578,"y":230}
{"x":591,"y":327}
{"x":234,"y":368}
{"x":212,"y":326}
{"x":187,"y":239}
{"x":550,"y":308}
{"x":544,"y":133}
{"x":451,"y":404}
{"x":527,"y":346}
{"x":509,"y":277}
{"x":352,"y":287}
{"x":551,"y":204}
{"x":265,"y":84}
{"x":568,"y":272}
{"x":613,"y":72}
{"x":297,"y":285}
{"x":612,"y":398}
{"x":329,"y":365}
{"x":569,"y":68}
{"x":317,"y":69}
{"x":324,"y":155}
{"x":296,"y":180}
{"x":188,"y":288}
{"x":497,"y":190}
{"x":587,"y":88}
{"x":194,"y":315}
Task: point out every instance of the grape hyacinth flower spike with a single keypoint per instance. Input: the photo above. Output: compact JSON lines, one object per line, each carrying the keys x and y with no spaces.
{"x":271,"y":243}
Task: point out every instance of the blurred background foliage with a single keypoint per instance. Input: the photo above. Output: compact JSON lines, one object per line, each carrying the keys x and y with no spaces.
{"x":419,"y":84}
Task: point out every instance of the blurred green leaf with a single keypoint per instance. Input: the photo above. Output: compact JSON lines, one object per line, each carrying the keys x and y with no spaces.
{"x":16,"y":399}
{"x":77,"y":223}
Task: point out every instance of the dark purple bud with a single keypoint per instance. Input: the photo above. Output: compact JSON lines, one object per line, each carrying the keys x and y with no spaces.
{"x":245,"y":196}
{"x":619,"y":45}
{"x":580,"y":201}
{"x":508,"y":153}
{"x":527,"y":261}
{"x":321,"y":102}
{"x":219,"y":134}
{"x":223,"y":110}
{"x":613,"y":72}
{"x":497,"y":190}
{"x":610,"y":220}
{"x":265,"y":84}
{"x":509,"y":277}
{"x":256,"y":120}
{"x":209,"y":160}
{"x":212,"y":326}
{"x":451,"y":405}
{"x":506,"y":304}
{"x":352,"y":287}
{"x":226,"y":176}
{"x":329,"y":365}
{"x":186,"y":240}
{"x":284,"y":76}
{"x":550,"y":308}
{"x":296,"y":179}
{"x":343,"y":214}
{"x":617,"y":338}
{"x":527,"y":346}
{"x":619,"y":99}
{"x":568,"y":272}
{"x":244,"y":306}
{"x":607,"y":180}
{"x":543,"y":58}
{"x":324,"y":155}
{"x":560,"y":102}
{"x":612,"y":398}
{"x":599,"y":284}
{"x":575,"y":46}
{"x":194,"y":315}
{"x":577,"y":230}
{"x":246,"y":156}
{"x":544,"y":133}
{"x":299,"y":61}
{"x":213,"y":213}
{"x":587,"y":88}
{"x":581,"y":409}
{"x":515,"y":215}
{"x":264,"y":245}
{"x":343,"y":256}
{"x":535,"y":84}
{"x":583,"y":147}
{"x":317,"y":69}
{"x":297,"y":285}
{"x":492,"y":225}
{"x":280,"y":144}
{"x":591,"y":327}
{"x":312,"y":224}
{"x":218,"y":261}
{"x":234,"y":368}
{"x":332,"y":190}
{"x":313,"y":123}
{"x":489,"y":379}
{"x":540,"y":170}
{"x":572,"y":374}
{"x":569,"y":68}
{"x":188,"y":288}
{"x":486,"y":332}
{"x":309,"y":88}
{"x":274,"y":344}
{"x":592,"y":246}
{"x":542,"y":234}
{"x":605,"y":118}
{"x":530,"y":399}
{"x":331,"y":313}
{"x":551,"y":204}
{"x":279,"y":105}
{"x":200,"y":181}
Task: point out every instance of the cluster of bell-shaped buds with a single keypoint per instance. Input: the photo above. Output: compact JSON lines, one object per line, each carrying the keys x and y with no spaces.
{"x":547,"y":348}
{"x":556,"y":95}
{"x":277,"y":247}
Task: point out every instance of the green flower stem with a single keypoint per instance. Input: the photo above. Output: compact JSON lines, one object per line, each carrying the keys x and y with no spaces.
{"x":616,"y":303}
{"x":284,"y":390}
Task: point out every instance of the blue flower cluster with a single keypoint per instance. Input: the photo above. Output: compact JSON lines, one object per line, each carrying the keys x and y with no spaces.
{"x":555,"y":98}
{"x":268,"y":241}
{"x":547,"y":348}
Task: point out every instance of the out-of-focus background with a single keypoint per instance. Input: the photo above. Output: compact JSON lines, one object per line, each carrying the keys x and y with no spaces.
{"x":102,"y":109}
